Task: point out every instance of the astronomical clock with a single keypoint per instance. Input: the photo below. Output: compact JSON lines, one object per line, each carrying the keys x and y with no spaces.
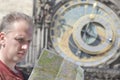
{"x":86,"y":32}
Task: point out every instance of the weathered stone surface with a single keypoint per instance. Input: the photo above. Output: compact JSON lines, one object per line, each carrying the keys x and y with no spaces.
{"x":51,"y":66}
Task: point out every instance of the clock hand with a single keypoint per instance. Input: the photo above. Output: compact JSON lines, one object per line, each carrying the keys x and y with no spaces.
{"x":92,"y":15}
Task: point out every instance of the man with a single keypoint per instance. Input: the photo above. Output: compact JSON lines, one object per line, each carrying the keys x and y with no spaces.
{"x":16,"y":31}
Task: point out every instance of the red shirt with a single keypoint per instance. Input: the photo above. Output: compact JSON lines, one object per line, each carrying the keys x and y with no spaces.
{"x":7,"y":74}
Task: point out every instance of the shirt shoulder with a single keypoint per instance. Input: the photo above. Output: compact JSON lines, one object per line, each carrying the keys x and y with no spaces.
{"x":7,"y":74}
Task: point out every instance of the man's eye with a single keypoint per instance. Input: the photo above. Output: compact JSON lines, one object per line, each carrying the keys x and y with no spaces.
{"x":19,"y":40}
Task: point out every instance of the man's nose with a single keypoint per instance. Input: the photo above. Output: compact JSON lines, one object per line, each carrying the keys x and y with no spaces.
{"x":24,"y":46}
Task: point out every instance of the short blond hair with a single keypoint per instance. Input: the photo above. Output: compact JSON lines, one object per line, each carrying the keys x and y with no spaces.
{"x":12,"y":17}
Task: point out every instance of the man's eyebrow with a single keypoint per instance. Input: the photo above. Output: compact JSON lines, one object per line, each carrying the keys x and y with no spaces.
{"x":23,"y":37}
{"x":19,"y":36}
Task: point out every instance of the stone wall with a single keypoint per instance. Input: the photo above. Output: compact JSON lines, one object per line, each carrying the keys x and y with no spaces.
{"x":7,"y":6}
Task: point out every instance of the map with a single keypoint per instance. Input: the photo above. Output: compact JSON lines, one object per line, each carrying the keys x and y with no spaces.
{"x":51,"y":66}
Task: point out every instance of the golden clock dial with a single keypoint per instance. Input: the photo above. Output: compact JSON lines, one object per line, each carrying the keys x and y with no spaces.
{"x":85,"y":32}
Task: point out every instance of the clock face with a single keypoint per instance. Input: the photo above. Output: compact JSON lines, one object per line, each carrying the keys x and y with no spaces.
{"x":86,"y":32}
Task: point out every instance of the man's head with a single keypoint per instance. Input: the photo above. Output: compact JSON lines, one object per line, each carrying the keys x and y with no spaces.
{"x":16,"y":31}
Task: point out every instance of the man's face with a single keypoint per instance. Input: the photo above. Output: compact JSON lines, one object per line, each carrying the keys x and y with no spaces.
{"x":17,"y":41}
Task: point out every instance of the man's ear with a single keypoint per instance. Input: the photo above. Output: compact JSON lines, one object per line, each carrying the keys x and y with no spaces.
{"x":2,"y":37}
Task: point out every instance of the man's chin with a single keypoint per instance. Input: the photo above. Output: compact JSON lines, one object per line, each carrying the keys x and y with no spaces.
{"x":18,"y":59}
